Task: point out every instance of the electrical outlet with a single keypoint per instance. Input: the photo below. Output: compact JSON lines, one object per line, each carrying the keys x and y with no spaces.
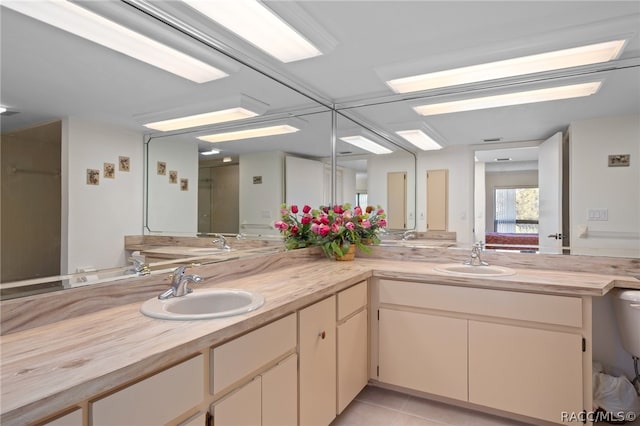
{"x":598,"y":214}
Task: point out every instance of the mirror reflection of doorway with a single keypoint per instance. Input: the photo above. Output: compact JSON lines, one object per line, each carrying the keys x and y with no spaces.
{"x":31,"y":202}
{"x":218,"y":199}
{"x":397,"y":200}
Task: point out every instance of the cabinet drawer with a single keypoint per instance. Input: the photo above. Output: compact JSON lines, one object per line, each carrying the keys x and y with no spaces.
{"x":156,"y":400}
{"x":236,"y":359}
{"x":352,"y":299}
{"x":543,"y":308}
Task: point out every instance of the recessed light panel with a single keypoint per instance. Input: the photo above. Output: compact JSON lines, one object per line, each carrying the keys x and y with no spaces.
{"x":366,"y":144}
{"x":91,"y":26}
{"x":249,"y":133}
{"x":419,"y":139}
{"x":531,"y":96}
{"x":258,"y":25}
{"x":222,"y":116}
{"x":212,"y":152}
{"x":560,"y":59}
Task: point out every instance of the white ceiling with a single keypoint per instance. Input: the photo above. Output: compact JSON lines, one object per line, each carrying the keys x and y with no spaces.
{"x":47,"y":73}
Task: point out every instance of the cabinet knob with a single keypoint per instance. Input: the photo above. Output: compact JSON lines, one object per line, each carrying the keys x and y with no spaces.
{"x":322,"y":335}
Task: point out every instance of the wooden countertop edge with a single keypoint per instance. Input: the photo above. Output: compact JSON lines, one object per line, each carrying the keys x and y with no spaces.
{"x":173,"y":351}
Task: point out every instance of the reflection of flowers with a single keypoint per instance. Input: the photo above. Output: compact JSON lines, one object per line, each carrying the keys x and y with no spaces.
{"x":335,"y":228}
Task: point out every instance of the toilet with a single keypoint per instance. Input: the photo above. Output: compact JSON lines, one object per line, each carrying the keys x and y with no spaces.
{"x":627,"y":308}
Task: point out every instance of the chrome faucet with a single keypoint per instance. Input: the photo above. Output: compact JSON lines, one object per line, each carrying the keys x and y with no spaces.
{"x":476,"y":259}
{"x":222,"y":241}
{"x":179,"y":283}
{"x":409,"y":235}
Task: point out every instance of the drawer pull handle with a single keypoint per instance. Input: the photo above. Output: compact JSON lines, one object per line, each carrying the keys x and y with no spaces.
{"x":322,"y":335}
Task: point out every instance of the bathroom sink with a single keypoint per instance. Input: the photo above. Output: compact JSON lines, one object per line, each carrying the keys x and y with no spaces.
{"x":204,"y":304}
{"x":460,"y":269}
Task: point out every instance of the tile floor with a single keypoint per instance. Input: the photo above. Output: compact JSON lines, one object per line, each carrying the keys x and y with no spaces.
{"x":380,"y":407}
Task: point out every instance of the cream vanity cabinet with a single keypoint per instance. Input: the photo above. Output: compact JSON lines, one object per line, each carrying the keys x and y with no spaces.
{"x":353,"y":343}
{"x":157,"y":400}
{"x":73,"y":418}
{"x":333,"y":349}
{"x":518,"y":352}
{"x":255,"y":377}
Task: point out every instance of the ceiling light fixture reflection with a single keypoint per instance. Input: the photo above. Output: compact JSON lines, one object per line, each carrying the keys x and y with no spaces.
{"x":517,"y":98}
{"x":560,"y":59}
{"x":249,"y":133}
{"x":2,"y":110}
{"x":366,"y":144}
{"x":420,"y":139}
{"x":212,"y":152}
{"x":222,"y":116}
{"x":258,"y":25}
{"x":86,"y":24}
{"x":227,"y":159}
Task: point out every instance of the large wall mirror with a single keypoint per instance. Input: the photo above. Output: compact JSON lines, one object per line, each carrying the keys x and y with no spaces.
{"x":71,"y":193}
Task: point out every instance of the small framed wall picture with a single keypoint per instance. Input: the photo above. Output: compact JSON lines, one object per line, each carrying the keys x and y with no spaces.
{"x":109,"y":171}
{"x":93,"y":177}
{"x":162,"y":168}
{"x":184,"y":184}
{"x":173,"y":176}
{"x":124,"y":164}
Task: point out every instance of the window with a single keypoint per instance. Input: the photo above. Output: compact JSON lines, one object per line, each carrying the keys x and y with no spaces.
{"x":516,"y":210}
{"x":361,"y":199}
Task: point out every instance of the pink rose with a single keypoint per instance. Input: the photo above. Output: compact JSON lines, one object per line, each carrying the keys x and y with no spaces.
{"x":366,"y":224}
{"x":347,"y":215}
{"x":350,"y":226}
{"x":357,"y":211}
{"x":380,"y":211}
{"x":294,"y":209}
{"x":324,"y":230}
{"x":335,"y":228}
{"x":338,"y":209}
{"x":315,"y":228}
{"x":382,"y":223}
{"x":306,"y":209}
{"x":281,"y":225}
{"x":324,"y":219}
{"x":305,"y":219}
{"x":284,"y":212}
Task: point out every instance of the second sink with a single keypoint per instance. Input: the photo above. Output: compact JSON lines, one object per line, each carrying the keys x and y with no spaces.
{"x":204,"y":304}
{"x":460,"y":269}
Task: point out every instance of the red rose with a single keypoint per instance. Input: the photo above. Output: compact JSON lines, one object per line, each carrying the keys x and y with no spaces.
{"x":306,"y":209}
{"x":294,"y":209}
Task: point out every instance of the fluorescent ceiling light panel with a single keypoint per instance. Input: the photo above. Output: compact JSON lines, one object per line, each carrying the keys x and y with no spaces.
{"x":258,"y":25}
{"x":249,"y":133}
{"x":419,"y":139}
{"x":531,"y":96}
{"x":212,"y":152}
{"x":86,"y":24}
{"x":366,"y":144}
{"x":222,"y":116}
{"x":560,"y":59}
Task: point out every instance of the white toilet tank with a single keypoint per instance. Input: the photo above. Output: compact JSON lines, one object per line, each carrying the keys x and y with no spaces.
{"x":627,"y":307}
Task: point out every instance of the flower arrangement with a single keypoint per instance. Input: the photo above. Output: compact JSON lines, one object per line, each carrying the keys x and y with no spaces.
{"x":336,"y":229}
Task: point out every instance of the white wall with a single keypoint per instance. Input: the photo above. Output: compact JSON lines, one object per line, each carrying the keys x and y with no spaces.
{"x":260,"y":203}
{"x":459,"y":160}
{"x":172,"y":211}
{"x":348,"y":186}
{"x":304,"y":181}
{"x":96,"y":218}
{"x":594,"y":185}
{"x":479,"y":205}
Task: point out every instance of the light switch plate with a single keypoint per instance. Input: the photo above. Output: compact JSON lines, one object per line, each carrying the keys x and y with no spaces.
{"x":598,"y":214}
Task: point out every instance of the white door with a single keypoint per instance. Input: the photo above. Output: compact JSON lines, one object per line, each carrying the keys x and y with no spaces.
{"x":550,"y":187}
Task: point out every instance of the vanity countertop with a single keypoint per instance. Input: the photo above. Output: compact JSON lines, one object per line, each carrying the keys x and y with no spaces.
{"x":48,"y":368}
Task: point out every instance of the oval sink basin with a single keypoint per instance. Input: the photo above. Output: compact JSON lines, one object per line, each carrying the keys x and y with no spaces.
{"x":460,"y":269}
{"x":204,"y":304}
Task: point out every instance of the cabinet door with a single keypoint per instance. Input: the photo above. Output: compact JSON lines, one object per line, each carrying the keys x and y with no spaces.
{"x":352,"y":358}
{"x":423,"y":352}
{"x":280,"y":394}
{"x":155,"y":400}
{"x":317,"y":341}
{"x":72,"y":419}
{"x":241,"y":408}
{"x":527,"y":371}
